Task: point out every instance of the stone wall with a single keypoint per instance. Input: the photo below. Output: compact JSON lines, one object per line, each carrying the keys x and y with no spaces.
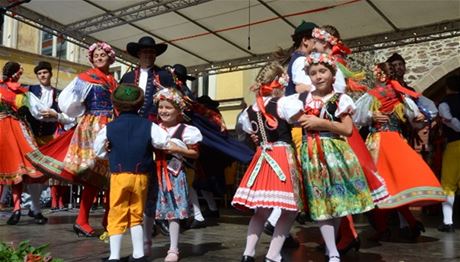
{"x":421,"y":59}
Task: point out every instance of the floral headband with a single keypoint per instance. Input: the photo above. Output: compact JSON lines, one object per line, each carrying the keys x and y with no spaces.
{"x":317,"y":58}
{"x":104,"y":46}
{"x":321,"y":34}
{"x":171,"y":95}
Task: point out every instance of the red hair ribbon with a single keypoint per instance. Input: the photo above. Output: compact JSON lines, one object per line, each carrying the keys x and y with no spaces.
{"x":340,"y":50}
{"x":266,"y":90}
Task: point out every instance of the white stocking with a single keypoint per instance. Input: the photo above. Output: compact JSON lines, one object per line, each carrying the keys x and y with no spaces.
{"x":197,"y":215}
{"x":115,"y":246}
{"x":447,"y":210}
{"x":256,"y":226}
{"x":137,"y":239}
{"x":174,"y":234}
{"x":327,"y":229}
{"x":282,"y":228}
{"x":274,"y":216}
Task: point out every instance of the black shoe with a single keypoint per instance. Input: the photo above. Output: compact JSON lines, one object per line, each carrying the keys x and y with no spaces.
{"x":163,"y":225}
{"x":14,"y":218}
{"x":79,"y":230}
{"x":211,"y":214}
{"x":355,"y":244}
{"x":290,"y":242}
{"x":31,"y":213}
{"x":446,"y":228}
{"x":141,"y":259}
{"x":197,"y":224}
{"x":269,"y":229}
{"x":247,"y":259}
{"x":40,"y":219}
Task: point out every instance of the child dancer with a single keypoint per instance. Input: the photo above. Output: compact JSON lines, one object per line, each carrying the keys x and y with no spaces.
{"x":334,"y":180}
{"x":128,"y":140}
{"x":173,"y":202}
{"x":272,"y":178}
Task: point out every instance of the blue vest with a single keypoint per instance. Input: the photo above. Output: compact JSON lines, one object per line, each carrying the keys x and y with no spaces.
{"x":453,"y":101}
{"x":148,"y":108}
{"x":41,"y":128}
{"x":131,"y":147}
{"x":290,"y":88}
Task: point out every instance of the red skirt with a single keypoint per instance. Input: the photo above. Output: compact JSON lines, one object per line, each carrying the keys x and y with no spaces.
{"x":15,"y":142}
{"x":408,"y":178}
{"x":262,"y":186}
{"x":379,"y":191}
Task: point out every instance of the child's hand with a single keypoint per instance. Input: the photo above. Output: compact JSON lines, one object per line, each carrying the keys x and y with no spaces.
{"x":173,"y":148}
{"x":311,"y":122}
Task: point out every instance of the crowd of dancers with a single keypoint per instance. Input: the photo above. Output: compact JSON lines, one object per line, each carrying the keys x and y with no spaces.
{"x":326,"y":146}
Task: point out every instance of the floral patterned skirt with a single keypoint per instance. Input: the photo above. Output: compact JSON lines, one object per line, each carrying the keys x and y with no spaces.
{"x":174,"y":204}
{"x":334,"y":180}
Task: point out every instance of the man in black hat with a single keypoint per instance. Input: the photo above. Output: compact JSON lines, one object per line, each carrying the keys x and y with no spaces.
{"x":180,"y":71}
{"x":43,"y":117}
{"x":145,"y":75}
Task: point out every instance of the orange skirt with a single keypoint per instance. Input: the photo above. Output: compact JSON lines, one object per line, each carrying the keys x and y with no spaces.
{"x":261,"y":186}
{"x":15,"y":142}
{"x":408,"y":178}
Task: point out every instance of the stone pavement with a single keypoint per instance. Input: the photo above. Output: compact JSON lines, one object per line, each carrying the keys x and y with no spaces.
{"x":224,"y":240}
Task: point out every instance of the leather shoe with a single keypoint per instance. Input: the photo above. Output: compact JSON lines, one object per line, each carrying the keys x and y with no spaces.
{"x":446,"y":228}
{"x":140,"y":259}
{"x":14,"y":218}
{"x":40,"y":219}
{"x":163,"y":225}
{"x":247,"y":259}
{"x":198,"y":224}
{"x":269,"y":229}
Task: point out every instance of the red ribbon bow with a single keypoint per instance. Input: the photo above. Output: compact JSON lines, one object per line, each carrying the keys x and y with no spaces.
{"x":266,"y":90}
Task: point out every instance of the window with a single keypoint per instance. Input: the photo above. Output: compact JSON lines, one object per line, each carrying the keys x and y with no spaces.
{"x":47,"y":44}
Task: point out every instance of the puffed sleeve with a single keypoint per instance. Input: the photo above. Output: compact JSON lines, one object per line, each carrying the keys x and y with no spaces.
{"x":299,"y":76}
{"x":245,"y":123}
{"x":191,"y":135}
{"x":289,"y":106}
{"x":160,"y":138}
{"x":339,"y":85}
{"x":100,"y":142}
{"x":363,"y":115}
{"x":410,"y":109}
{"x":345,"y":106}
{"x":35,"y":106}
{"x":71,"y":100}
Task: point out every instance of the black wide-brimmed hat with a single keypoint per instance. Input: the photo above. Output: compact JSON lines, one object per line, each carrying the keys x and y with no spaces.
{"x":145,"y":42}
{"x":208,"y":102}
{"x":181,"y":72}
{"x":43,"y":65}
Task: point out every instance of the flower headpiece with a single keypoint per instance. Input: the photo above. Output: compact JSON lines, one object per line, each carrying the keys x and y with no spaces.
{"x":317,"y":58}
{"x":171,"y":95}
{"x":321,"y":34}
{"x":104,"y":46}
{"x":379,"y":74}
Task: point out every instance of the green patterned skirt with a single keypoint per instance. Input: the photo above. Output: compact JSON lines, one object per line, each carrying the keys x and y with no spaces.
{"x":333,"y":179}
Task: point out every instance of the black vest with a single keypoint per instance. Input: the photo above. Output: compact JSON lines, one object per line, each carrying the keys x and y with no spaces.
{"x":131,"y":147}
{"x":281,"y":133}
{"x":41,"y":128}
{"x":453,"y":101}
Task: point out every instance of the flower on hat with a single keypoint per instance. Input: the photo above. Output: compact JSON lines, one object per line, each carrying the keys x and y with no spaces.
{"x":104,"y":46}
{"x":321,"y":34}
{"x":171,"y":95}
